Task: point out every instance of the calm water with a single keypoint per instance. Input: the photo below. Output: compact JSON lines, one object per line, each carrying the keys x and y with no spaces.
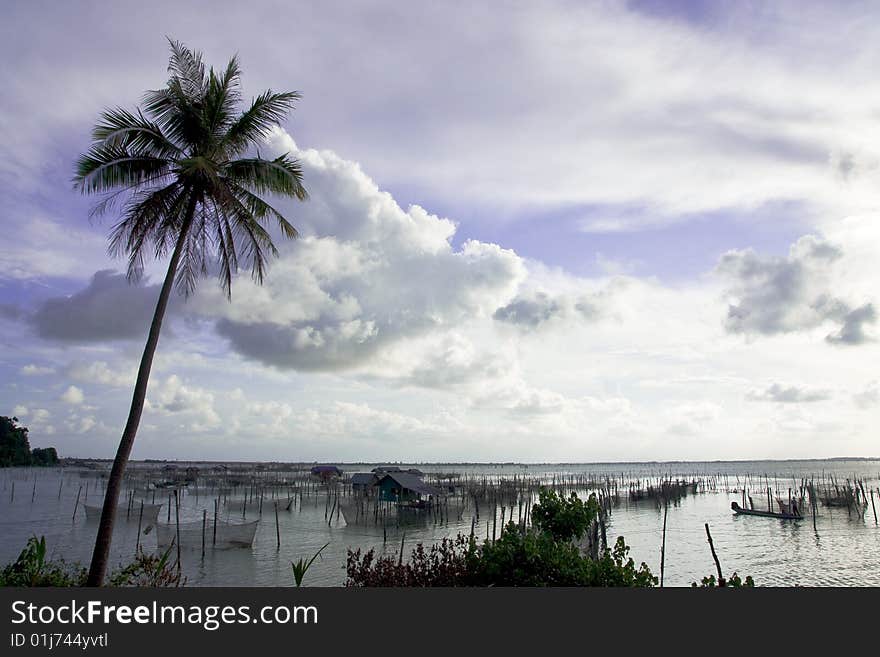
{"x":843,"y":551}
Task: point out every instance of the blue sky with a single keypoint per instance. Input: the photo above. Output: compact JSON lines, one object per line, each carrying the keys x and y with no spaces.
{"x":537,"y":231}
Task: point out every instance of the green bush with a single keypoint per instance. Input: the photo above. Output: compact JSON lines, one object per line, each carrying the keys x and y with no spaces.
{"x":564,"y":518}
{"x":32,"y":569}
{"x":543,"y":555}
{"x":148,"y":570}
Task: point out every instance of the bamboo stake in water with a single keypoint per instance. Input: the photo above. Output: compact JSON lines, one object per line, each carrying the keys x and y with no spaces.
{"x":277,"y":530}
{"x":204,"y":525}
{"x":177,"y":522}
{"x":76,"y":505}
{"x":137,"y":546}
{"x":663,"y":542}
{"x":715,"y":557}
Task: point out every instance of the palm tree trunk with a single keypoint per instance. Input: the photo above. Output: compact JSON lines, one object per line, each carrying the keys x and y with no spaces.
{"x":101,"y":554}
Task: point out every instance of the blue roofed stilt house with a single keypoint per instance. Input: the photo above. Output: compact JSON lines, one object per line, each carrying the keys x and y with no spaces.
{"x":406,"y":488}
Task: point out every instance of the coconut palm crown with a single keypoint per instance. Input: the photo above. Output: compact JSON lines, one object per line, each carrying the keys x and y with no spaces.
{"x":180,"y":172}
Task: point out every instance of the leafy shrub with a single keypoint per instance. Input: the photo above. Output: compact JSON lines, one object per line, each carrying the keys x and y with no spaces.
{"x":564,"y":519}
{"x":544,"y":555}
{"x":32,"y":569}
{"x":445,"y":564}
{"x":148,"y":570}
{"x":735,"y":581}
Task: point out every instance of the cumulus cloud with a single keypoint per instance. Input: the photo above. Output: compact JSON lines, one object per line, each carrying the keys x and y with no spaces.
{"x":787,"y":394}
{"x":853,"y":330}
{"x":533,"y":309}
{"x":380,"y":276}
{"x":172,"y":397}
{"x":73,"y":396}
{"x":108,"y":308}
{"x":100,"y":372}
{"x":454,"y":360}
{"x":774,"y":295}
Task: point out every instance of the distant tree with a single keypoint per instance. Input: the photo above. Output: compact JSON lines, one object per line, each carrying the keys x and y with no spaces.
{"x":14,"y":446}
{"x":190,"y":191}
{"x":44,"y":456}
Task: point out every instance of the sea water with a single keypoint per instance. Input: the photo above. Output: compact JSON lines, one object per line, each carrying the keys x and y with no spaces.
{"x":842,"y":550}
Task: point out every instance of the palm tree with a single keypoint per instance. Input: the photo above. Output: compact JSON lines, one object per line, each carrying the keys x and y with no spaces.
{"x":180,"y":169}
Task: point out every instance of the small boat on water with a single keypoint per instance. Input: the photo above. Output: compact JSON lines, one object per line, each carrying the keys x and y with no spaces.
{"x":738,"y":510}
{"x":150,"y":516}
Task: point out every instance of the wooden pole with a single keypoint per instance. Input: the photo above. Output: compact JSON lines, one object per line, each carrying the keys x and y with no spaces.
{"x":75,"y":506}
{"x":216,"y":509}
{"x":204,"y":526}
{"x":137,"y":546}
{"x":177,"y":522}
{"x":715,"y":557}
{"x":663,"y":542}
{"x":277,"y":529}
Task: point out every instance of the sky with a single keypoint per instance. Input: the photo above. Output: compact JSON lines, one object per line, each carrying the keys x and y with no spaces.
{"x":540,"y":232}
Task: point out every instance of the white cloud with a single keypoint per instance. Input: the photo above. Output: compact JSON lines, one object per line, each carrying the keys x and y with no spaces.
{"x":386,"y":276}
{"x":73,"y":396}
{"x":194,"y":404}
{"x":102,"y":373}
{"x":36,"y":370}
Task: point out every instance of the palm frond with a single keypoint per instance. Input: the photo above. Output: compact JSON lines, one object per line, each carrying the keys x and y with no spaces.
{"x":266,"y":111}
{"x":260,"y":209}
{"x":187,"y":68}
{"x":119,"y":127}
{"x":149,"y":219}
{"x":282,"y":176}
{"x":193,"y":262}
{"x":104,"y":168}
{"x":222,"y":97}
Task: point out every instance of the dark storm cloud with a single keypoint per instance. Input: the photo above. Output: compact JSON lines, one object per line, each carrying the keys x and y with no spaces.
{"x":108,"y":308}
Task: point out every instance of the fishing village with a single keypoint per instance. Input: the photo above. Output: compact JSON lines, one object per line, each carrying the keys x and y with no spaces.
{"x":200,"y":513}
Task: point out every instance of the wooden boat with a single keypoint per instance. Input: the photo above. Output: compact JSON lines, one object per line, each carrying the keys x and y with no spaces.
{"x":738,"y":510}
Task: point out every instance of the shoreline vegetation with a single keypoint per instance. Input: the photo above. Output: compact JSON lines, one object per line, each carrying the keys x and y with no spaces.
{"x":15,"y":449}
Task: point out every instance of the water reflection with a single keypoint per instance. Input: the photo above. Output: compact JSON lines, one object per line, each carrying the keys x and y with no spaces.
{"x":841,"y":551}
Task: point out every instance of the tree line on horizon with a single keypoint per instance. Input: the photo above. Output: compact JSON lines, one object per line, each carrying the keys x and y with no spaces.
{"x":15,"y":449}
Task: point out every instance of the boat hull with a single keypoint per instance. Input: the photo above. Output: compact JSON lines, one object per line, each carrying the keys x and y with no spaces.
{"x":738,"y":510}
